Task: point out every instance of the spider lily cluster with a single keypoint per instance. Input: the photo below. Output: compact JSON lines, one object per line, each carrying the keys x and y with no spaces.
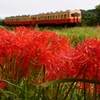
{"x":42,"y":56}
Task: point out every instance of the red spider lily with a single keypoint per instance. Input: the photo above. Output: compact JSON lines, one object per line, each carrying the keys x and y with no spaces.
{"x":2,"y":84}
{"x":85,"y":62}
{"x":90,"y":50}
{"x":26,"y":48}
{"x":24,"y":53}
{"x":86,"y":56}
{"x":88,"y":87}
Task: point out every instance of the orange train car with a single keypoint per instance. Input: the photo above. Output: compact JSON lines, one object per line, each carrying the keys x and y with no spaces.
{"x":69,"y":17}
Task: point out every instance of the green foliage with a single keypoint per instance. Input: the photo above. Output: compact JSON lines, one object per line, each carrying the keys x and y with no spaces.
{"x":89,"y":17}
{"x":97,"y":8}
{"x":1,"y":26}
{"x":2,"y":22}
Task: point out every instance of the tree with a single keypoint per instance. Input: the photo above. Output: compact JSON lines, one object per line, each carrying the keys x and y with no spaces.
{"x":89,"y":17}
{"x":97,"y":8}
{"x":1,"y":21}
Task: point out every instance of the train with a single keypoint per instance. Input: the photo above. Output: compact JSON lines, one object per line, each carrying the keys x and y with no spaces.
{"x":68,"y":17}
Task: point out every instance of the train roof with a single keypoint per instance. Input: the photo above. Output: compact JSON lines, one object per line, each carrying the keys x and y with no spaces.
{"x":56,"y":12}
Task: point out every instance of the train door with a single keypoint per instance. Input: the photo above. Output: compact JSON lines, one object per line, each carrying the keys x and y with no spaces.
{"x":76,"y":17}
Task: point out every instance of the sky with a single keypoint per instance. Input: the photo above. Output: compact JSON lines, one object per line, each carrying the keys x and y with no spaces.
{"x":25,"y":7}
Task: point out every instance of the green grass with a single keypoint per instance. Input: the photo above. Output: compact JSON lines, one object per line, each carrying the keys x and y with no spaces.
{"x":1,"y":26}
{"x":75,"y":34}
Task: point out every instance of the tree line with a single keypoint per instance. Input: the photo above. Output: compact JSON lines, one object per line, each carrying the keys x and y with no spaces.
{"x":1,"y":21}
{"x":89,"y":17}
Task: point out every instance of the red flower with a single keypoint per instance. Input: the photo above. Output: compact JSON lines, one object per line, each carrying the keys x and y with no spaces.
{"x":2,"y":84}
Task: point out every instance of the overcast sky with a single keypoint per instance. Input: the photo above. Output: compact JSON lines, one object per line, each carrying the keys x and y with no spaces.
{"x":25,"y":7}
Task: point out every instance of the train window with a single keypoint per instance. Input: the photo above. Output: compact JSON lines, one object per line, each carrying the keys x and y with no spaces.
{"x":48,"y":17}
{"x":34,"y":18}
{"x":64,"y":15}
{"x":58,"y":16}
{"x":11,"y":19}
{"x":52,"y":17}
{"x":43,"y":18}
{"x":17,"y":19}
{"x":72,"y":15}
{"x":61,"y":16}
{"x":78,"y":14}
{"x":39,"y":18}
